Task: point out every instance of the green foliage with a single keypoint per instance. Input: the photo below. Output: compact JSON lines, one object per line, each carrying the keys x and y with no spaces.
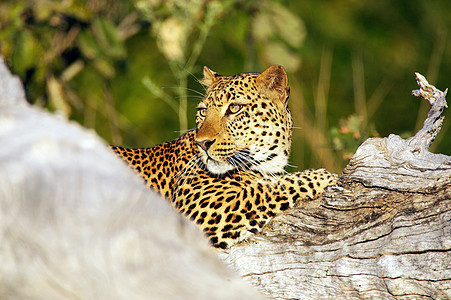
{"x":349,"y":135}
{"x":129,"y":69}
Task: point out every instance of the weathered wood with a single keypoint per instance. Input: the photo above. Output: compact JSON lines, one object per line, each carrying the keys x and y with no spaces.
{"x":384,"y":234}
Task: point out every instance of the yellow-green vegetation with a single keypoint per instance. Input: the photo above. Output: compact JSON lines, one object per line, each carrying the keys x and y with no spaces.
{"x":129,"y":69}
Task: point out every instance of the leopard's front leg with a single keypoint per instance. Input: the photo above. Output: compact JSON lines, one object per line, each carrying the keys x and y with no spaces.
{"x":257,"y":203}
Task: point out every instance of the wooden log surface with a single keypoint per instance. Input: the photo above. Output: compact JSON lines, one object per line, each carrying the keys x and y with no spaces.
{"x":76,"y":223}
{"x":384,"y":233}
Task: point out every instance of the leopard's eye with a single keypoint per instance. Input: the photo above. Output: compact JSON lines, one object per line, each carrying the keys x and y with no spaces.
{"x":234,"y":108}
{"x":202,"y":112}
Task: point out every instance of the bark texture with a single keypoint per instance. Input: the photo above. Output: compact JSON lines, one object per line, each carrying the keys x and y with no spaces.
{"x":385,"y":233}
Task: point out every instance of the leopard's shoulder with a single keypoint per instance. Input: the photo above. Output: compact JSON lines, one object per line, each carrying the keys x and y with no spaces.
{"x":227,"y":175}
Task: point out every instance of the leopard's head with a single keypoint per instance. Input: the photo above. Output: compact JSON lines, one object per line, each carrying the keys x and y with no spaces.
{"x":243,"y":122}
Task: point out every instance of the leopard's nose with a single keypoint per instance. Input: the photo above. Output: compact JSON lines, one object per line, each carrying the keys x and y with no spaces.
{"x":205,"y":144}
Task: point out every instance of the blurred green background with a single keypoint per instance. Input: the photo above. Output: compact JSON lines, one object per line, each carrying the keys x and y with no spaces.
{"x":130,"y":69}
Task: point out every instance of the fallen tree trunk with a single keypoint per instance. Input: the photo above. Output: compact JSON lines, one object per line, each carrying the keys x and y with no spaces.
{"x":384,"y":234}
{"x":76,"y":223}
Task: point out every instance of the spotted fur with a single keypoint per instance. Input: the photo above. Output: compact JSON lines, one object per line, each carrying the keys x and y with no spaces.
{"x":227,"y":175}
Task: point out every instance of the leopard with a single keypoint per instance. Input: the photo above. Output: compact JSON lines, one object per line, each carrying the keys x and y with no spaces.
{"x":227,"y":175}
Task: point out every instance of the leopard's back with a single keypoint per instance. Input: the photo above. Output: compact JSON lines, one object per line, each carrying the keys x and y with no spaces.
{"x":228,"y":174}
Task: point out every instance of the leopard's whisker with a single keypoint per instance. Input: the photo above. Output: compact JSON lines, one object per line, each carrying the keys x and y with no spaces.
{"x":199,"y":94}
{"x":184,"y":131}
{"x":233,"y":162}
{"x":271,"y":165}
{"x":193,"y":161}
{"x":291,"y":166}
{"x":266,"y":172}
{"x":193,"y":167}
{"x":240,"y":164}
{"x":243,"y":158}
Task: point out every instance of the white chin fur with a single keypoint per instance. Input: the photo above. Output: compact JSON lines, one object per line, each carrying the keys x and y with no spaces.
{"x":275,"y":166}
{"x":218,"y":168}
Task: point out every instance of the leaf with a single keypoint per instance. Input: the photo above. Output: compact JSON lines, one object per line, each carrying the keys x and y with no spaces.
{"x":102,"y":40}
{"x":88,"y":46}
{"x":105,"y":67}
{"x":275,"y":22}
{"x":56,"y":97}
{"x":108,"y":38}
{"x":277,"y":53}
{"x":26,"y":53}
{"x":290,"y":28}
{"x":171,"y":39}
{"x":262,"y":27}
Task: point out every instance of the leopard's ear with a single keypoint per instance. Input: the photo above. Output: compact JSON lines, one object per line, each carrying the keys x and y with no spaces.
{"x":275,"y":80}
{"x":210,"y":77}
